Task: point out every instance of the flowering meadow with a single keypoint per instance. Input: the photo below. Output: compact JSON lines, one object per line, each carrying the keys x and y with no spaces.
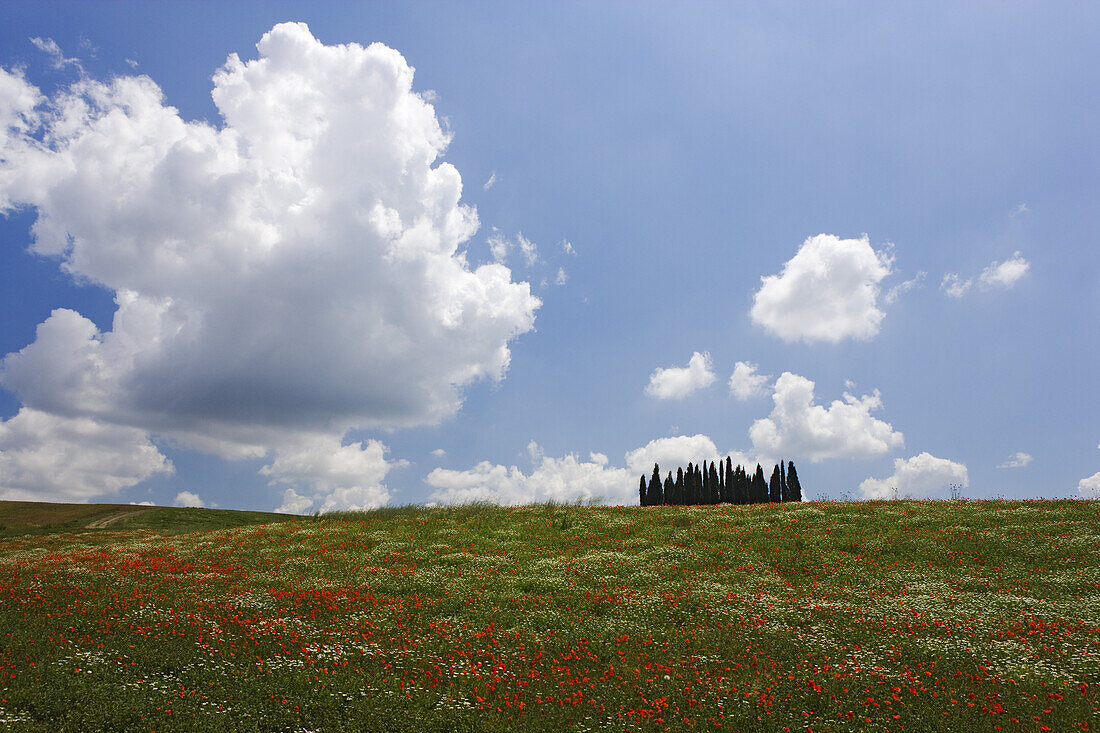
{"x":879,"y":616}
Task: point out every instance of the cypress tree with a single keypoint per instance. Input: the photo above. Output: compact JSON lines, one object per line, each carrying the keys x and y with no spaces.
{"x":738,"y":485}
{"x":783,"y":482}
{"x":793,"y":487}
{"x":759,"y":486}
{"x":641,"y":492}
{"x":727,"y":497}
{"x":679,"y":488}
{"x":666,"y":489}
{"x":775,"y":486}
{"x":654,"y":486}
{"x":715,"y":495}
{"x":700,"y":497}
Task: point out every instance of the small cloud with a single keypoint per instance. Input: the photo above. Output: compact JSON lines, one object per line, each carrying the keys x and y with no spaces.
{"x":1090,"y":487}
{"x":429,"y":95}
{"x":567,"y":247}
{"x":921,"y":476}
{"x":529,"y":249}
{"x":562,"y":277}
{"x":142,"y":503}
{"x":1004,"y":274}
{"x":1021,"y":208}
{"x":57,"y":58}
{"x":492,"y":180}
{"x":997,"y":274}
{"x":954,"y":286}
{"x":294,"y":503}
{"x":1016,"y":460}
{"x":133,"y":64}
{"x":901,"y":288}
{"x":745,"y":383}
{"x":675,"y":383}
{"x":498,"y":246}
{"x":534,"y":452}
{"x":439,"y":453}
{"x":189,"y":499}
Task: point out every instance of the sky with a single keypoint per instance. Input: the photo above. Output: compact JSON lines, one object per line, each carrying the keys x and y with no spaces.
{"x":336,"y":256}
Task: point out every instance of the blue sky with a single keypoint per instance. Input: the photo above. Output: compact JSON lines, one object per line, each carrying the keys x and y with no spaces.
{"x":313,"y":278}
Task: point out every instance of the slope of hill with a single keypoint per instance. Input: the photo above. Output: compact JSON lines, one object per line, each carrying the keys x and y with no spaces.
{"x":33,"y":517}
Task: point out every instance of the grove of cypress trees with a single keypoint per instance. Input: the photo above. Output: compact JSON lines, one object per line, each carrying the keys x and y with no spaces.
{"x":793,"y":487}
{"x":775,"y":486}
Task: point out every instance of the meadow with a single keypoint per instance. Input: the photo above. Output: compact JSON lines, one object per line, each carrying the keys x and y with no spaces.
{"x":822,"y":616}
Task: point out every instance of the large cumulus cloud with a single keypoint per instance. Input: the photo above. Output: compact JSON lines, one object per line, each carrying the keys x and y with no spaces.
{"x":799,"y":427}
{"x":827,"y":292}
{"x":294,"y":272}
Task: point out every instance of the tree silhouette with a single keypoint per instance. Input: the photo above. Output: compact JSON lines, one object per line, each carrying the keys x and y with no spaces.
{"x":775,"y":486}
{"x":793,"y":487}
{"x":759,"y":486}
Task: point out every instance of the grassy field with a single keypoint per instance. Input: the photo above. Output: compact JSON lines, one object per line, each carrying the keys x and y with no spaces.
{"x":882,"y":616}
{"x":18,"y":518}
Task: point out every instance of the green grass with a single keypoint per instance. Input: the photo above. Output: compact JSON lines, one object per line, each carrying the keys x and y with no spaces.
{"x":882,"y":616}
{"x":18,"y":518}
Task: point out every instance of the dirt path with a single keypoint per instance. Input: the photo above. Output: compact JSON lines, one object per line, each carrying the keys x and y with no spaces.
{"x":111,"y":519}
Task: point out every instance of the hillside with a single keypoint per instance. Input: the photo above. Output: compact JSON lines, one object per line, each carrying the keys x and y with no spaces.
{"x":817,"y":616}
{"x":33,"y":517}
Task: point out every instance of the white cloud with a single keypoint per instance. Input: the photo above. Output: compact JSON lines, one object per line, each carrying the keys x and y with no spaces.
{"x":189,"y":499}
{"x":57,"y":58}
{"x":827,"y":292}
{"x":131,"y":63}
{"x":1004,"y":274}
{"x":798,"y":428}
{"x":918,"y":477}
{"x":553,"y":479}
{"x":954,"y":286}
{"x":1021,"y":208}
{"x":45,"y":457}
{"x":675,"y":383}
{"x":562,"y":278}
{"x":904,"y":287}
{"x":745,"y":383}
{"x":1016,"y":460}
{"x":439,"y":453}
{"x":500,"y":246}
{"x":529,"y":249}
{"x":341,"y":476}
{"x":292,"y":271}
{"x":670,"y":453}
{"x":567,"y":247}
{"x":489,"y":183}
{"x":995,"y":275}
{"x":142,"y":503}
{"x":534,"y":452}
{"x":1090,"y":487}
{"x":294,"y":503}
